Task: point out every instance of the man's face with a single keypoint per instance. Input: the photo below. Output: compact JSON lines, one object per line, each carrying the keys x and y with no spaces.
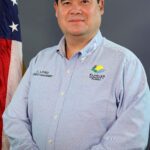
{"x":79,"y":17}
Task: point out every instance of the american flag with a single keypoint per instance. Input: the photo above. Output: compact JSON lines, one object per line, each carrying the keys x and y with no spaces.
{"x":10,"y":58}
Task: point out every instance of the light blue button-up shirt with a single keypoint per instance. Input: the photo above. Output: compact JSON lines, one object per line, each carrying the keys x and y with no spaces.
{"x":97,"y":100}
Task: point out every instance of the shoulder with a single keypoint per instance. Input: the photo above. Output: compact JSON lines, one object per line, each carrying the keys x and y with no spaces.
{"x":119,"y":52}
{"x":45,"y":55}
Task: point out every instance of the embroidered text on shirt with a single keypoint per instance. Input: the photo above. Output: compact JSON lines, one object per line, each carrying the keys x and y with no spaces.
{"x":42,"y":73}
{"x":97,"y":69}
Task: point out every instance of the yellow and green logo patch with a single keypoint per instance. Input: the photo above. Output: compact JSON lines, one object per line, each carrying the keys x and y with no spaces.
{"x":98,"y":69}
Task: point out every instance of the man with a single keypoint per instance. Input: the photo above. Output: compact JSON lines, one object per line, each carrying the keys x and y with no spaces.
{"x":86,"y":93}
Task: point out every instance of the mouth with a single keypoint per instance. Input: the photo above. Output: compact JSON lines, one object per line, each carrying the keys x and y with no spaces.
{"x":76,"y":20}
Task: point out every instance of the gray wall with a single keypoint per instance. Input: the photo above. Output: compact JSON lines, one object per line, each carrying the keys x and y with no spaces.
{"x":126,"y":22}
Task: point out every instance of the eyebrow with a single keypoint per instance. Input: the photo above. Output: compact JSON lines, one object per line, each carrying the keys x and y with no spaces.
{"x":63,"y":0}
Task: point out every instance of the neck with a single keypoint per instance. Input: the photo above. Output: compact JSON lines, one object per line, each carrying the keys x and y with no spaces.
{"x":75,"y":43}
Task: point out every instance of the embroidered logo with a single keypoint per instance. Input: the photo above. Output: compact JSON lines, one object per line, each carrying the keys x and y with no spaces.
{"x":97,"y":69}
{"x":42,"y":73}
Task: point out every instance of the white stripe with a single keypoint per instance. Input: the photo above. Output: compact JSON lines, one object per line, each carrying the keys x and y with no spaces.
{"x":15,"y":70}
{"x":5,"y":142}
{"x":14,"y":77}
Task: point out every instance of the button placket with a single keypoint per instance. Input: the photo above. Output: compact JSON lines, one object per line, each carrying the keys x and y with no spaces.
{"x":60,"y":102}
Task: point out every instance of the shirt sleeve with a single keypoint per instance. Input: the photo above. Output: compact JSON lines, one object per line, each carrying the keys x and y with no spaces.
{"x":17,"y":125}
{"x":131,"y":128}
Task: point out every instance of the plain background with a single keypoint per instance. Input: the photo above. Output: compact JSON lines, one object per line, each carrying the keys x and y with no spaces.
{"x":126,"y":22}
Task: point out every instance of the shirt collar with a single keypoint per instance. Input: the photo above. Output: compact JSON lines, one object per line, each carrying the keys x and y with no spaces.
{"x":61,"y":47}
{"x":87,"y":50}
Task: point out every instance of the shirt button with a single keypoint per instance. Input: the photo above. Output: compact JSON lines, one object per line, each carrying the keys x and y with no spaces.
{"x":55,"y":117}
{"x":50,"y":141}
{"x":62,"y":93}
{"x":68,"y":71}
{"x":83,"y":58}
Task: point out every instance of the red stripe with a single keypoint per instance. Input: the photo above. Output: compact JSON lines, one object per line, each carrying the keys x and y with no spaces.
{"x":5,"y":54}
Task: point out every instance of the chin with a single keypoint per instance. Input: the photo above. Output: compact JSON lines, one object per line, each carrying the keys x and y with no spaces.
{"x":76,"y":33}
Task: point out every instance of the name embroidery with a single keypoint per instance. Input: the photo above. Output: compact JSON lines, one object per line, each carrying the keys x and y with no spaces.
{"x":42,"y":73}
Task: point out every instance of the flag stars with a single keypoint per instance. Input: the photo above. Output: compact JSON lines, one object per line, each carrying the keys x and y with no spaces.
{"x":14,"y":2}
{"x":14,"y":27}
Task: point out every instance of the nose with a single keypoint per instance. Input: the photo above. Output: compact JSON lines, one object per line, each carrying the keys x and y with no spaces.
{"x":75,"y":9}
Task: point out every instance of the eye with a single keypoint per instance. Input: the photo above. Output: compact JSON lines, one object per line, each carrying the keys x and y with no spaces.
{"x":85,"y":1}
{"x":66,"y":3}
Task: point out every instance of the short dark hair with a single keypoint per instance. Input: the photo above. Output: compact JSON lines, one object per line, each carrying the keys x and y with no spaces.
{"x":57,"y":1}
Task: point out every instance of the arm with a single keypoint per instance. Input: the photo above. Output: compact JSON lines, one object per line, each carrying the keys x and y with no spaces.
{"x":131,"y":128}
{"x":17,"y":125}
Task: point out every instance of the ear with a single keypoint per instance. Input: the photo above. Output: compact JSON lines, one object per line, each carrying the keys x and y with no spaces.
{"x":56,"y":8}
{"x":101,"y":6}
